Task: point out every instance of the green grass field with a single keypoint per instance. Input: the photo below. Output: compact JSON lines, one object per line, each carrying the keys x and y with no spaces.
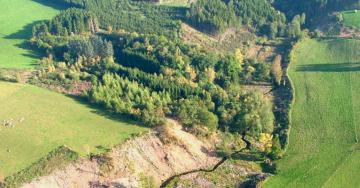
{"x":323,"y":150}
{"x":51,"y":120}
{"x":16,"y":20}
{"x":351,"y":18}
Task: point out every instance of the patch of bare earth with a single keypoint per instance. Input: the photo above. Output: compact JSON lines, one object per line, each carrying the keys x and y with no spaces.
{"x":264,"y":88}
{"x":225,"y":42}
{"x":235,"y":173}
{"x":346,"y":32}
{"x":14,"y":75}
{"x":193,"y":36}
{"x":75,"y":88}
{"x":142,"y":156}
{"x":265,"y":54}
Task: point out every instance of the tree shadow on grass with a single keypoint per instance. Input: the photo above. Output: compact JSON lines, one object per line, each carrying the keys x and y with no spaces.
{"x":32,"y":51}
{"x":24,"y":33}
{"x":101,"y":111}
{"x":32,"y":55}
{"x":53,"y":4}
{"x":341,"y":67}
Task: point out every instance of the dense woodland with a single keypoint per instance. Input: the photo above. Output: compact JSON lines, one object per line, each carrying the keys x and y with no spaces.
{"x":218,"y":68}
{"x":139,"y":67}
{"x":215,"y":16}
{"x":137,"y":16}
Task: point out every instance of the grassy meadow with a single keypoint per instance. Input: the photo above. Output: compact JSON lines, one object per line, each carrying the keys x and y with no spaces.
{"x":16,"y":20}
{"x":324,"y":149}
{"x":351,"y":18}
{"x":45,"y":120}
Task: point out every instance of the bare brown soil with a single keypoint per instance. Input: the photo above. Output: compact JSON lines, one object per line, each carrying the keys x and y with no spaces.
{"x":145,"y":156}
{"x":347,"y":32}
{"x":225,"y":42}
{"x":263,"y":54}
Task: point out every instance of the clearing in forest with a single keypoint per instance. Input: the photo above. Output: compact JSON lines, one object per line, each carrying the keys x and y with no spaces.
{"x":39,"y":120}
{"x":175,"y":3}
{"x":323,"y":149}
{"x":16,"y":20}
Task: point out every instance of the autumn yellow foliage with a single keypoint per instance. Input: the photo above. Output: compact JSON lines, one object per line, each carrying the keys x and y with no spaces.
{"x":239,"y":56}
{"x":266,"y":140}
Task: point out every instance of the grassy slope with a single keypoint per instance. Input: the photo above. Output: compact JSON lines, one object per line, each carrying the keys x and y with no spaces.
{"x":325,"y":117}
{"x":16,"y":19}
{"x":351,"y":18}
{"x":51,"y":120}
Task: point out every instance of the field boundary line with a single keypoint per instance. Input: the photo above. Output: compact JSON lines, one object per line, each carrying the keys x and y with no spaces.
{"x":352,"y":98}
{"x":291,"y":63}
{"x":352,"y":110}
{"x":293,"y":92}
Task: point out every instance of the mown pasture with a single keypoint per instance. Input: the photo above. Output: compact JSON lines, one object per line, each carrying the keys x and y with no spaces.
{"x":323,"y":146}
{"x":351,"y":18}
{"x":16,"y":20}
{"x":42,"y":120}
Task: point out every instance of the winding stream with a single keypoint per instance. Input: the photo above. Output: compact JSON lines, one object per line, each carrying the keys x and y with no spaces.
{"x":216,"y":166}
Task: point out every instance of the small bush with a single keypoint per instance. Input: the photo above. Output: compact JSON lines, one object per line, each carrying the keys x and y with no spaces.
{"x":61,"y":76}
{"x":229,"y":144}
{"x":106,"y":162}
{"x":147,"y":181}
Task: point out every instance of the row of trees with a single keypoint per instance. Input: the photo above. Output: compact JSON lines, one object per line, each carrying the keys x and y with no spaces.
{"x":71,"y":21}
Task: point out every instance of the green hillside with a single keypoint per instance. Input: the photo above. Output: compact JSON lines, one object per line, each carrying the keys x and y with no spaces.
{"x":16,"y":20}
{"x":324,"y":148}
{"x":44,"y":120}
{"x":351,"y":18}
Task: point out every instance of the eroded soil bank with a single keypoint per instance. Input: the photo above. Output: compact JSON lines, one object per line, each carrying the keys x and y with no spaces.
{"x":149,"y":161}
{"x":142,"y":160}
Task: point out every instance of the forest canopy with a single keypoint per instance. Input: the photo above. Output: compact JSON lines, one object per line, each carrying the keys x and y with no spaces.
{"x":215,"y":16}
{"x":148,"y":73}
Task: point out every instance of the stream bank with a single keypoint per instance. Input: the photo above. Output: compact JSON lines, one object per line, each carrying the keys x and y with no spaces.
{"x":234,"y":168}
